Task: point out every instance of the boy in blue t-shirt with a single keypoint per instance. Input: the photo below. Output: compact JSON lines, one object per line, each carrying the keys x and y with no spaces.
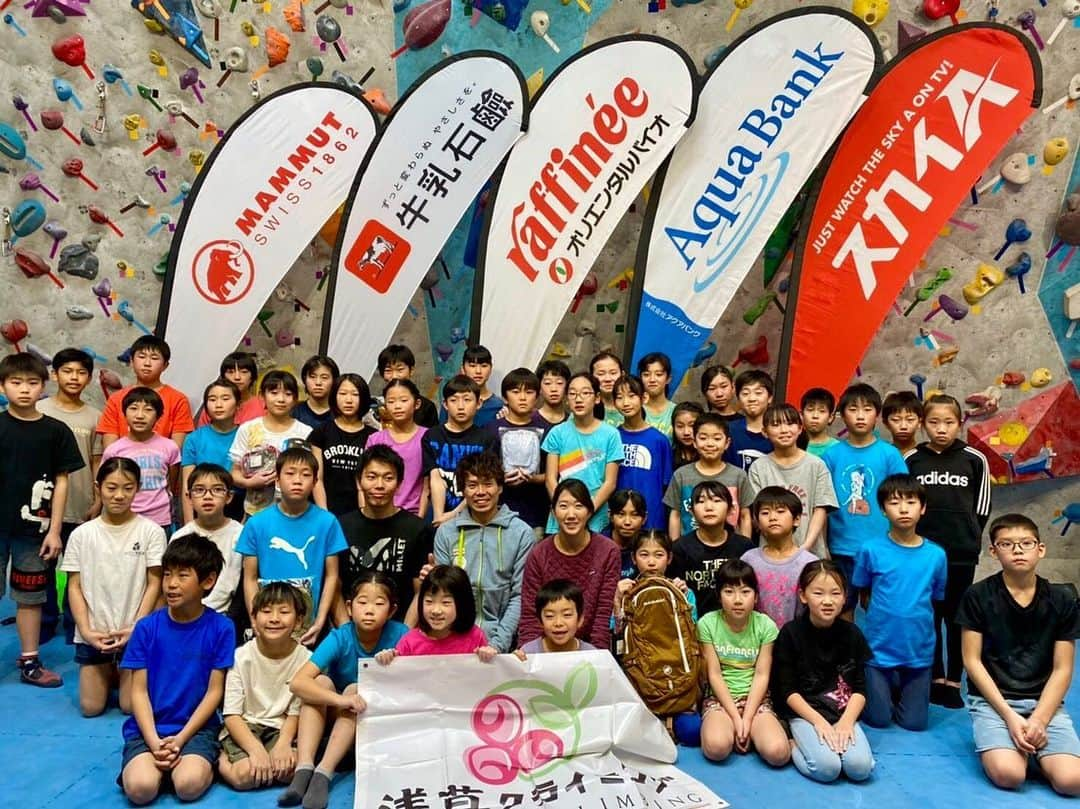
{"x":646,"y":465}
{"x":177,"y":658}
{"x":901,"y":576}
{"x":857,"y":466}
{"x":294,"y":541}
{"x":748,"y":440}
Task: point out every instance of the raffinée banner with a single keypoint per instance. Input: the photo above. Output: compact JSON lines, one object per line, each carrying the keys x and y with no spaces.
{"x":559,"y":731}
{"x":601,"y":126}
{"x":442,"y":141}
{"x":275,"y":178}
{"x":767,"y":114}
{"x":931,"y":126}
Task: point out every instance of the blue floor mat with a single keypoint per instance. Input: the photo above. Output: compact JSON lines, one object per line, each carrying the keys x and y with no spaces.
{"x":51,"y":756}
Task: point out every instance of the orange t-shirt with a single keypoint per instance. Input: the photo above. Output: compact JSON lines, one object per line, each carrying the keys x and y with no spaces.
{"x":175,"y":419}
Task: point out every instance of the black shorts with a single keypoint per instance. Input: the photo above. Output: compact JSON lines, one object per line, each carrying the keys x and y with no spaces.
{"x":87,"y":655}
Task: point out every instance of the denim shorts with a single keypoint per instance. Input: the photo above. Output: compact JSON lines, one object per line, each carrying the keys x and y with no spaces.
{"x":991,"y":732}
{"x":203,"y":744}
{"x":87,"y":655}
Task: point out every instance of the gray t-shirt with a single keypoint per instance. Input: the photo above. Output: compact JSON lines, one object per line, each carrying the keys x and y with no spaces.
{"x":778,"y":582}
{"x":808,"y":479}
{"x":83,"y":424}
{"x":685,"y":478}
{"x":536,"y":646}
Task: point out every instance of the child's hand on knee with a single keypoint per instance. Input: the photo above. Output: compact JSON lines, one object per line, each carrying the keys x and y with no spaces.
{"x":352,"y":702}
{"x":282,"y":760}
{"x":385,"y":657}
{"x":486,"y":653}
{"x":261,"y":767}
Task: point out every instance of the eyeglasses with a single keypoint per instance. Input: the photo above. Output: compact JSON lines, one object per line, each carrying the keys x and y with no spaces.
{"x":580,"y":394}
{"x":202,"y":491}
{"x":1023,"y":544}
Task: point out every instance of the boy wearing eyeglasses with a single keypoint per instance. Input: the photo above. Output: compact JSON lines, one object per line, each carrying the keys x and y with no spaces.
{"x":209,"y":491}
{"x":1019,"y":644}
{"x":957,"y":481}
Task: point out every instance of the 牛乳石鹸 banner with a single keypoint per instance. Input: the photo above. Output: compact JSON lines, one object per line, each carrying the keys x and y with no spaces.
{"x":931,"y":126}
{"x":275,"y":178}
{"x":441,"y":143}
{"x":768,"y":112}
{"x":561,"y":731}
{"x":599,"y":129}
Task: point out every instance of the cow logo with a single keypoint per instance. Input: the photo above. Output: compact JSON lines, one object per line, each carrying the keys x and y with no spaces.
{"x":377,"y":256}
{"x":223,"y":271}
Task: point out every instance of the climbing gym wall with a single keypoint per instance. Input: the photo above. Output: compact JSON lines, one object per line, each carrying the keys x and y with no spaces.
{"x":111,"y":108}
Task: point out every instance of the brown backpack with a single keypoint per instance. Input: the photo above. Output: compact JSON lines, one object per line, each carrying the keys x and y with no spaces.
{"x":662,"y":654}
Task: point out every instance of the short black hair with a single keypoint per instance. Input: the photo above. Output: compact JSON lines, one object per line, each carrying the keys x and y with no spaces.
{"x":1013,"y":520}
{"x":118,"y":463}
{"x":408,"y":384}
{"x":279,"y":592}
{"x":244,"y":360}
{"x":460,"y":384}
{"x":818,"y":396}
{"x":278,"y":379}
{"x":755,"y":376}
{"x":194,"y":551}
{"x":151,"y":342}
{"x":714,"y":419}
{"x":395,"y":353}
{"x":655,"y":356}
{"x":776,"y":414}
{"x":143,"y":395}
{"x":298,"y":453}
{"x":381,"y":453}
{"x":316,"y":361}
{"x":553,"y":368}
{"x":362,"y":388}
{"x":712,"y":372}
{"x":520,"y":378}
{"x":453,"y":581}
{"x":477,"y":355}
{"x":221,"y":382}
{"x":902,"y":485}
{"x":652,"y":535}
{"x":860,"y":393}
{"x":777,"y":496}
{"x":937,"y":400}
{"x":822,"y":567}
{"x":634,"y":383}
{"x":713,"y":488}
{"x":23,"y":364}
{"x":606,"y":355}
{"x":210,"y":470}
{"x":76,"y":355}
{"x":576,"y":489}
{"x":900,"y":401}
{"x":620,"y":497}
{"x":686,"y":407}
{"x":369,"y":575}
{"x":733,"y":573}
{"x":557,"y":589}
{"x":481,"y":465}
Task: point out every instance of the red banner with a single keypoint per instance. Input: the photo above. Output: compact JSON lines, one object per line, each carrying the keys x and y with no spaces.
{"x":931,"y":126}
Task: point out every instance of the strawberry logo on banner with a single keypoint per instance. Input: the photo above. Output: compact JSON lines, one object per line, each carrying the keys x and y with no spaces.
{"x":442,"y":141}
{"x":931,"y":126}
{"x":601,"y":126}
{"x":767,"y":114}
{"x":275,"y":178}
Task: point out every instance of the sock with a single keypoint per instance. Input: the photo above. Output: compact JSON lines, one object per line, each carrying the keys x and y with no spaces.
{"x":318,"y":791}
{"x":294,"y":793}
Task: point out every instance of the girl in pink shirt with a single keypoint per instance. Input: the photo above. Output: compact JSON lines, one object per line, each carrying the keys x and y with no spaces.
{"x":446,"y":624}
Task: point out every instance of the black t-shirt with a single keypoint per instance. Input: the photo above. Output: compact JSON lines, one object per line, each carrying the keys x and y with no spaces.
{"x":427,"y":414}
{"x":33,"y":453}
{"x":824,"y":666}
{"x":398,"y":546}
{"x":1018,"y":642}
{"x":520,"y":447}
{"x":341,"y":452}
{"x":443,"y":448}
{"x":696,"y":563}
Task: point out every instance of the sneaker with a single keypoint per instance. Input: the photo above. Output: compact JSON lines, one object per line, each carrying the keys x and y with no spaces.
{"x":32,"y":672}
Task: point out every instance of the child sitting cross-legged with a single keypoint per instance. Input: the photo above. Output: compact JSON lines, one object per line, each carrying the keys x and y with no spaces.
{"x":260,"y":712}
{"x":327,"y":686}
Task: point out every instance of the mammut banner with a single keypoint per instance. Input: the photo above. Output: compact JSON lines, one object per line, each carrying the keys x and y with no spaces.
{"x":269,"y":185}
{"x":931,"y":126}
{"x":768,"y":112}
{"x":599,"y":129}
{"x":559,"y":731}
{"x":439,"y":146}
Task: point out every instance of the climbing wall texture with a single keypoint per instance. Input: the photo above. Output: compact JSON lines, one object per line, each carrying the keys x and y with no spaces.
{"x":109,"y":222}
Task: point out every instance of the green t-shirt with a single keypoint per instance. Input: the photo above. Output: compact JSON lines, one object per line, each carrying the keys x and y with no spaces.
{"x":737,"y":651}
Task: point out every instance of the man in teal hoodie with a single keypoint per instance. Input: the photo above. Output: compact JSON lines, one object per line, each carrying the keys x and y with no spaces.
{"x":489,"y":542}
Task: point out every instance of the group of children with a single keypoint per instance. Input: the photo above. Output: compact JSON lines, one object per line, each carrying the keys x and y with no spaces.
{"x":280,"y":541}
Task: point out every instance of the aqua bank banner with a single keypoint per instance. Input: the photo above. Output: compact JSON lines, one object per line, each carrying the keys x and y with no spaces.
{"x":599,"y":129}
{"x":767,"y":114}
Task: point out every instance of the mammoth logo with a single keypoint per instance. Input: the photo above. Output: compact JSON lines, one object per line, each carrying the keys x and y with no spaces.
{"x":223,"y":271}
